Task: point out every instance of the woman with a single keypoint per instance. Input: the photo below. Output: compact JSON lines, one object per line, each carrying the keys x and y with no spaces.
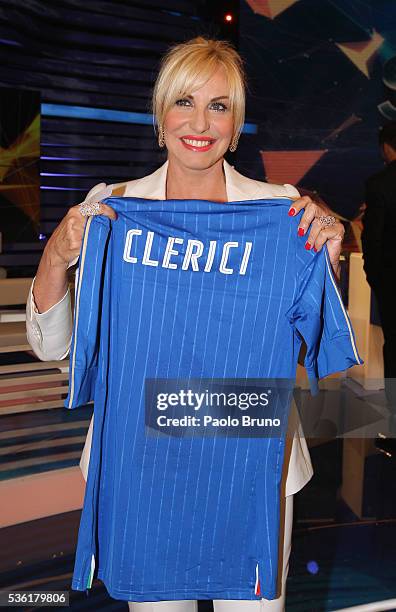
{"x":198,"y":103}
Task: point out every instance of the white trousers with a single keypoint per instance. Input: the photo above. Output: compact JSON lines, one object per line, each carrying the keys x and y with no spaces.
{"x":236,"y":605}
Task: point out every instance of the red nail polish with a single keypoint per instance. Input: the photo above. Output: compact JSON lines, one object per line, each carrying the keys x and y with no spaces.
{"x":307,"y":246}
{"x":301,"y":231}
{"x":315,"y":249}
{"x":291,"y":212}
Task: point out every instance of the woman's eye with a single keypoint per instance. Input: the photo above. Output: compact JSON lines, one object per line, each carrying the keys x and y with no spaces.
{"x":219,"y":106}
{"x":182,"y":102}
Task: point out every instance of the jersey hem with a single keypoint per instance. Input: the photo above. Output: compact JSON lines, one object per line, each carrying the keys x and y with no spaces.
{"x":176,"y":594}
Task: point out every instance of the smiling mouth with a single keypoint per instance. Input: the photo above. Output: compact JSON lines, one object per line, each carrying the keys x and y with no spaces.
{"x":192,"y":142}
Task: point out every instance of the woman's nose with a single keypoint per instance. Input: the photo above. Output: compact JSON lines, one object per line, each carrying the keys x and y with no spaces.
{"x":199,"y":121}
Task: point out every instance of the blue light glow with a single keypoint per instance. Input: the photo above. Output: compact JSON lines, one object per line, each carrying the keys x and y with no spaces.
{"x":101,"y":114}
{"x":48,"y":188}
{"x":13,"y":43}
{"x":59,"y":174}
{"x":60,"y":158}
{"x":312,"y":567}
{"x":249,"y":128}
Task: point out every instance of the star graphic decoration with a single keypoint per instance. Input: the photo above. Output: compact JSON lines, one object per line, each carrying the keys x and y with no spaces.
{"x":362,"y":53}
{"x":387,"y":108}
{"x":19,"y":180}
{"x":289,"y":166}
{"x":349,"y":122}
{"x":270,"y":8}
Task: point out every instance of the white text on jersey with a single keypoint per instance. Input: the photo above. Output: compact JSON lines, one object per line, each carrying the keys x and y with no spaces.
{"x":195,"y":249}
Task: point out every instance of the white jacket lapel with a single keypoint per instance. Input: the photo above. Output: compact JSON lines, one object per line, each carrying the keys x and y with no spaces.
{"x":238,"y":187}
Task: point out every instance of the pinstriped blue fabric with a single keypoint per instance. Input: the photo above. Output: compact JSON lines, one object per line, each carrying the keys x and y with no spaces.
{"x":182,"y":289}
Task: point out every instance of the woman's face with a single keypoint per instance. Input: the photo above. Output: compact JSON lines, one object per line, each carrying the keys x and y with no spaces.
{"x":199,"y":127}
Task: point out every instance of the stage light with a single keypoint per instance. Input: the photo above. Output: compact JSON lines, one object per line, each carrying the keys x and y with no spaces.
{"x":312,"y":567}
{"x":386,"y":443}
{"x":228,"y":17}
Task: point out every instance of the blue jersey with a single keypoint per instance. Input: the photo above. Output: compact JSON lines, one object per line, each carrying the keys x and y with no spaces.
{"x":191,"y":289}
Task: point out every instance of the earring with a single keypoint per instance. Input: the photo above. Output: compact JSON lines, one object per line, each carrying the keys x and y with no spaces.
{"x":234,"y":144}
{"x":161,"y":137}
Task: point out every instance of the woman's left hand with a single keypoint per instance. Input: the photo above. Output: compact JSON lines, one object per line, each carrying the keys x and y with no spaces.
{"x":319,"y":234}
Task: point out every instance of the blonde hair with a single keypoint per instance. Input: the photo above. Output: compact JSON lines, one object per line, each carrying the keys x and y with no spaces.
{"x":188,"y":66}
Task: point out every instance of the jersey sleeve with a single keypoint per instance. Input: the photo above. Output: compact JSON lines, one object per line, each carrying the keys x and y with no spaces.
{"x":320,"y":317}
{"x":89,"y":310}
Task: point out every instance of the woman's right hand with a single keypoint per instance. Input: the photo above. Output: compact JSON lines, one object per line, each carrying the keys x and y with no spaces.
{"x":65,"y":242}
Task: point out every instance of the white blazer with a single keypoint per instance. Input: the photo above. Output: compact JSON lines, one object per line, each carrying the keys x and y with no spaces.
{"x":49,"y":333}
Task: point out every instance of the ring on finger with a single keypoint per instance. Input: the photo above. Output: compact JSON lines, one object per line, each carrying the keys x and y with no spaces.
{"x":89,"y":208}
{"x":327,"y":220}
